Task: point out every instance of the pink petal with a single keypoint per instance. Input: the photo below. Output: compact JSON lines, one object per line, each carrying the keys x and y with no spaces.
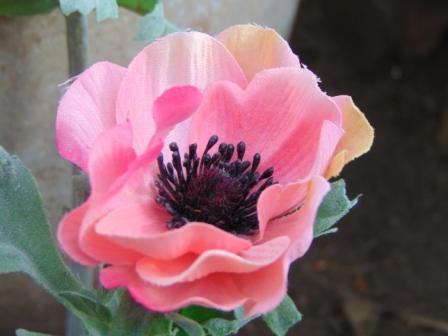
{"x":257,"y":48}
{"x":282,"y":114}
{"x":216,"y":291}
{"x":100,"y":248}
{"x":146,"y":233}
{"x":86,"y":110}
{"x":298,"y":226}
{"x":178,"y":59}
{"x":175,"y":105}
{"x":172,"y":107}
{"x":110,"y":158}
{"x":115,"y":161}
{"x":265,"y":288}
{"x":276,"y":201}
{"x":190,"y":267}
{"x":117,"y":276}
{"x":259,"y":291}
{"x":68,"y":234}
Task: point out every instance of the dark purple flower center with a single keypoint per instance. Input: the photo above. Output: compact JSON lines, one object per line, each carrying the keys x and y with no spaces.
{"x":215,"y":188}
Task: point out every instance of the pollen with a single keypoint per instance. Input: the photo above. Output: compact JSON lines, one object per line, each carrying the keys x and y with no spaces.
{"x":221,"y":189}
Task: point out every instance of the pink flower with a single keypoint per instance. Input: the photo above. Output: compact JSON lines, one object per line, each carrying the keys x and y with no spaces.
{"x":179,"y":216}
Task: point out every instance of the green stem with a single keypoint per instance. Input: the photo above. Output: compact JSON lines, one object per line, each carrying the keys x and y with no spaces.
{"x":78,"y":61}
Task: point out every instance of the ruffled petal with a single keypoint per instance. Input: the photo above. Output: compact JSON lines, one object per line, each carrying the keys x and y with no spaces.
{"x":298,"y":226}
{"x":278,"y":200}
{"x":86,"y":110}
{"x":68,"y":235}
{"x":190,"y":267}
{"x":257,"y":48}
{"x":259,"y":291}
{"x":358,"y":137}
{"x":215,"y":291}
{"x":147,"y":233}
{"x":178,"y":59}
{"x":282,"y":114}
{"x":264,"y":289}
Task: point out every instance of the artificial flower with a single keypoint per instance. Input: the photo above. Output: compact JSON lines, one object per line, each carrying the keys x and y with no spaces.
{"x":208,"y":158}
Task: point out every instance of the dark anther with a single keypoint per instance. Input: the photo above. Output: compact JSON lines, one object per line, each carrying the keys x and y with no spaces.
{"x":255,"y":162}
{"x":212,"y":189}
{"x":241,"y":149}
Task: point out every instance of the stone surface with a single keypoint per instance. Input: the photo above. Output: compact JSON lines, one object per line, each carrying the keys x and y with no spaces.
{"x":33,"y":68}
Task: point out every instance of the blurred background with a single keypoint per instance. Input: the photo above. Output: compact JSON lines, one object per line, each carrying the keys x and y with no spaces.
{"x":386,"y":271}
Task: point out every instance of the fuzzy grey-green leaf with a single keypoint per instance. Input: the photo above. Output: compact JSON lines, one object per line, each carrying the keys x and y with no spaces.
{"x":26,"y":241}
{"x":105,"y":9}
{"x":335,"y":205}
{"x":189,"y":326}
{"x":281,"y":319}
{"x":154,"y":25}
{"x":224,"y":327}
{"x":83,"y":6}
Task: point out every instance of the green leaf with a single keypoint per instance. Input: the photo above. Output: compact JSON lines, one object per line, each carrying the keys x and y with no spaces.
{"x":23,"y":332}
{"x":26,"y":241}
{"x":142,"y":7}
{"x":27,"y":244}
{"x":128,"y":318}
{"x":154,"y":25}
{"x":335,"y":205}
{"x":281,"y":319}
{"x":105,"y":9}
{"x":224,"y":327}
{"x":26,"y":7}
{"x":83,"y":6}
{"x":202,"y":314}
{"x":95,"y":316}
{"x":189,"y":326}
{"x":161,"y":327}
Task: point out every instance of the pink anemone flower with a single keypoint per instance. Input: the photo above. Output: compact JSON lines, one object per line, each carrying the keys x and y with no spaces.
{"x":208,"y":158}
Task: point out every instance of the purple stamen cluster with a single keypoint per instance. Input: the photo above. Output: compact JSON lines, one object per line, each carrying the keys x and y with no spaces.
{"x":212,"y":188}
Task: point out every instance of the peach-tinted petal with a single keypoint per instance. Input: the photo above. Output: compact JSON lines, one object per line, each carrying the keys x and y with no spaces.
{"x":257,"y":48}
{"x":358,"y":137}
{"x":86,"y":110}
{"x":282,"y":114}
{"x":190,"y":267}
{"x":178,"y":59}
{"x":298,"y":226}
{"x":110,"y":158}
{"x":336,"y":164}
{"x":216,"y":291}
{"x":142,"y":228}
{"x":68,"y":234}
